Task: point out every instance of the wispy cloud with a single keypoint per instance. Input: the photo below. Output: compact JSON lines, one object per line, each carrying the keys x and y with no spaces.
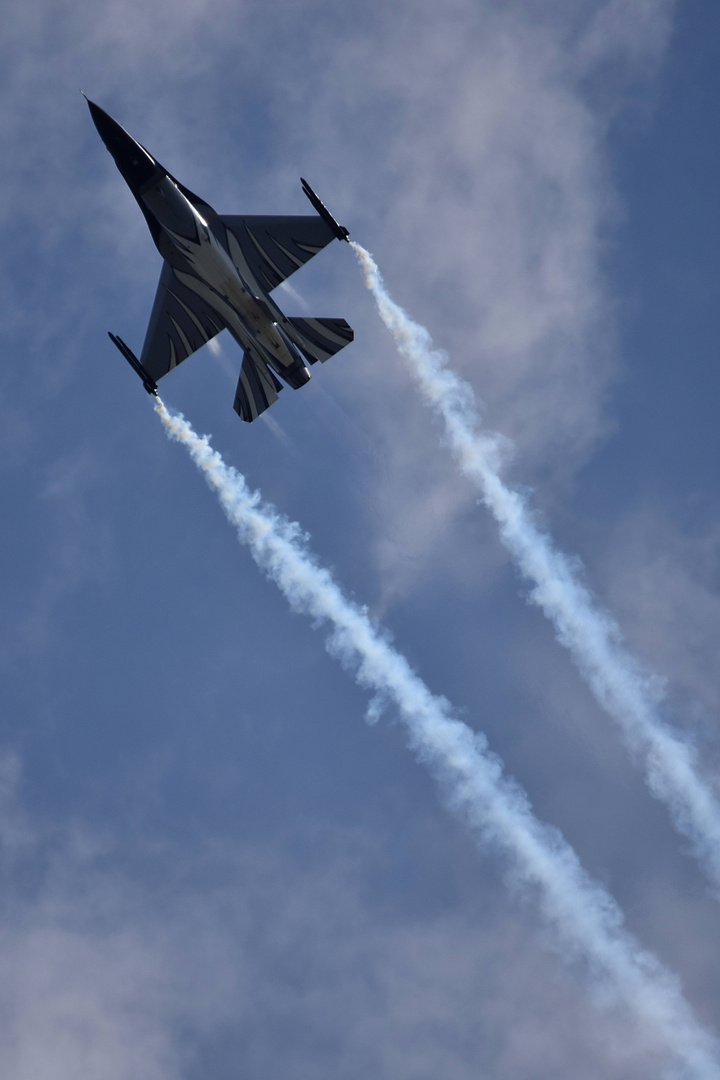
{"x":593,"y":638}
{"x":586,"y":921}
{"x":134,"y":960}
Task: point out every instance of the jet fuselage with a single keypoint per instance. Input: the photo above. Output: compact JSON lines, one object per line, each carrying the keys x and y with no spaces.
{"x":218,"y":272}
{"x":186,"y":241}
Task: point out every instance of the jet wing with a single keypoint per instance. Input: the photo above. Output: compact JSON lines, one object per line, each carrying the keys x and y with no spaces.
{"x":180,"y":322}
{"x":257,"y":388}
{"x":267,"y":250}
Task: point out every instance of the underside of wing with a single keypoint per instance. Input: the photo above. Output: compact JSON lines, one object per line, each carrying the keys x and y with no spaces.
{"x":267,"y":250}
{"x":257,"y":388}
{"x":181,"y":322}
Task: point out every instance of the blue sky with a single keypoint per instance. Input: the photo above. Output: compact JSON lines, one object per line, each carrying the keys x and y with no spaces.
{"x":212,"y":866}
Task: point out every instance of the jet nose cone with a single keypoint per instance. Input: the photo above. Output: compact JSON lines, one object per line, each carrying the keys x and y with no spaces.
{"x":135,"y":164}
{"x":108,"y":129}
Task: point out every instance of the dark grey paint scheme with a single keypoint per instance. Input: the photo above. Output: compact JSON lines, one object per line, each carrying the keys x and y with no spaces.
{"x":218,"y":273}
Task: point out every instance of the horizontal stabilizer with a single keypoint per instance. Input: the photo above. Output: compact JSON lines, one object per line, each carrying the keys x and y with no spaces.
{"x":149,"y":383}
{"x":257,"y":389}
{"x":319,"y":339}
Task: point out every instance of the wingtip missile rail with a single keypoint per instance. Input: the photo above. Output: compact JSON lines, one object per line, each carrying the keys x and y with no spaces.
{"x":149,"y":384}
{"x":339,"y":230}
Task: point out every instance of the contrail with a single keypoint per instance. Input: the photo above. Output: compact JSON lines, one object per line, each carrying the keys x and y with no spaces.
{"x":586,"y":921}
{"x":630,"y":696}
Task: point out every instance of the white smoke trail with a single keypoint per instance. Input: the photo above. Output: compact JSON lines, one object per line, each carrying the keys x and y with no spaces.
{"x":587,"y":923}
{"x":590,"y":634}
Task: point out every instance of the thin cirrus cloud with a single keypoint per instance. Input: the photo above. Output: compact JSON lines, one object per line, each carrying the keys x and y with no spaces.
{"x":629,"y":695}
{"x":467,"y":147}
{"x":259,"y":955}
{"x":583,"y":917}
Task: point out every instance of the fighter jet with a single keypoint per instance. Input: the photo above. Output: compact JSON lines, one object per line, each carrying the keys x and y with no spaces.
{"x":218,"y":272}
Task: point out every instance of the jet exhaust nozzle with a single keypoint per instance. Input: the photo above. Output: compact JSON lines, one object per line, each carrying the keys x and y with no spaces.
{"x":149,"y":383}
{"x":339,"y":230}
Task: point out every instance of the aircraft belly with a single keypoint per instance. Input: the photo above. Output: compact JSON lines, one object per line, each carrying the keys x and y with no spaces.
{"x":281,"y":359}
{"x":263,"y":332}
{"x":217,"y":280}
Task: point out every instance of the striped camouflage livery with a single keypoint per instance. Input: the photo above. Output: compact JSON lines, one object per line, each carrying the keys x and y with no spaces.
{"x":187,"y":313}
{"x":218,"y":274}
